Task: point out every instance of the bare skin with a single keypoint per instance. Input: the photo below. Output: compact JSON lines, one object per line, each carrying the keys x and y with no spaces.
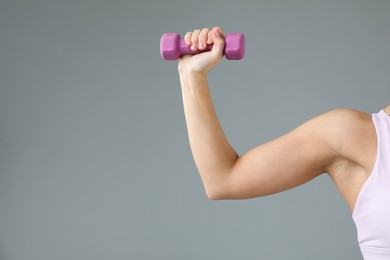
{"x":341,"y":143}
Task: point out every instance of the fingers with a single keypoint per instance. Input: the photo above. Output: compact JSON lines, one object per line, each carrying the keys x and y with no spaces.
{"x":217,"y":39}
{"x":194,"y":39}
{"x":191,"y":39}
{"x":203,"y":38}
{"x":214,"y":32}
{"x":200,"y":38}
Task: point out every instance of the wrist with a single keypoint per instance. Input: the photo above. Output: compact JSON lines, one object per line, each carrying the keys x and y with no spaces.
{"x":191,"y":75}
{"x":193,"y":81}
{"x":188,"y":71}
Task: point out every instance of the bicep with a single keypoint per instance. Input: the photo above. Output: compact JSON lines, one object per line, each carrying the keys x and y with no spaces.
{"x":283,"y":163}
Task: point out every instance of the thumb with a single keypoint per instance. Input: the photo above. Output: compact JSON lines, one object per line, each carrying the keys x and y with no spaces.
{"x":219,"y":43}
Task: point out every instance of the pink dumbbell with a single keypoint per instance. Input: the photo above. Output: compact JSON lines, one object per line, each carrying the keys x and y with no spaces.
{"x":172,"y":46}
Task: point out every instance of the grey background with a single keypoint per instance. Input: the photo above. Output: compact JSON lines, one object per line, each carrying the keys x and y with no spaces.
{"x":94,"y":156}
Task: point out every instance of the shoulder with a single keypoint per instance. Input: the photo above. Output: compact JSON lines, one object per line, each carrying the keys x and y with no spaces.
{"x":345,"y":117}
{"x":343,"y":131}
{"x":346,"y":124}
{"x":337,"y":125}
{"x":341,"y":122}
{"x":350,"y":134}
{"x":352,"y":137}
{"x":351,"y":115}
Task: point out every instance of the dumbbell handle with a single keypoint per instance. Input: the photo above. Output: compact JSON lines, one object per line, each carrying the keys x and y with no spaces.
{"x":185,"y":49}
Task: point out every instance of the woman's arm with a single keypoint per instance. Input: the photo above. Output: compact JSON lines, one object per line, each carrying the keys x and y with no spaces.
{"x":213,"y":155}
{"x":281,"y":164}
{"x":288,"y":161}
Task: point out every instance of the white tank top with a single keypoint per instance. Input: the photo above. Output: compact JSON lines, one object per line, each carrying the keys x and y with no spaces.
{"x":372,"y":210}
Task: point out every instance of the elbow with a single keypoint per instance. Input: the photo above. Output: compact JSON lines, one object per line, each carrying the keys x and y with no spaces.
{"x":217,"y":192}
{"x":214,"y":196}
{"x":218,"y":186}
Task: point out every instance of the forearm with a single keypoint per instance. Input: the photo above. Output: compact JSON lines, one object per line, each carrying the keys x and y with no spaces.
{"x":213,"y":155}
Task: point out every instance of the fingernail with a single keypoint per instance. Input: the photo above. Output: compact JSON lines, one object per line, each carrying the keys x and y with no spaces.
{"x":217,"y":33}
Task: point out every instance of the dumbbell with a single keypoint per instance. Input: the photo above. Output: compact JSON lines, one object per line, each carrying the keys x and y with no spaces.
{"x":172,"y":46}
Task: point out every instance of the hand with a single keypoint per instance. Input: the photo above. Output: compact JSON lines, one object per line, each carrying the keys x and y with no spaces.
{"x":202,"y":63}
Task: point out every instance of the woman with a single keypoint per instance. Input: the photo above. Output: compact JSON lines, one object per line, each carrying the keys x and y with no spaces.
{"x":351,"y":146}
